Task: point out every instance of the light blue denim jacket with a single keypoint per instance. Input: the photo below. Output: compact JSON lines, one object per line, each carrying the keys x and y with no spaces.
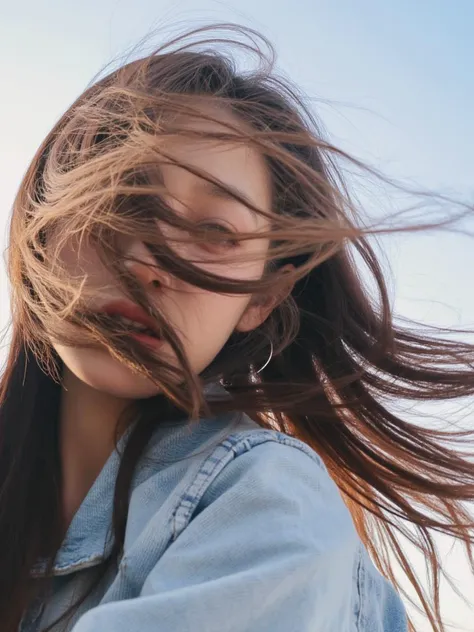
{"x":231,"y":528}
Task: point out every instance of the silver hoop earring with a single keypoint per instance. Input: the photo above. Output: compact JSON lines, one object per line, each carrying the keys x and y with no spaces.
{"x":268,"y":361}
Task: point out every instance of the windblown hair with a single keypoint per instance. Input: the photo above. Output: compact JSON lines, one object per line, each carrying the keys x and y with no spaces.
{"x":339,"y":361}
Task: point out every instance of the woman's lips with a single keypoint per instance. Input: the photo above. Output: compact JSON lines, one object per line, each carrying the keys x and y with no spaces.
{"x":147,"y":340}
{"x":137,"y":314}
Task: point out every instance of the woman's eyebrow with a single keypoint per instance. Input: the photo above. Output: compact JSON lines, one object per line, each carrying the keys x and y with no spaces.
{"x":228,"y":193}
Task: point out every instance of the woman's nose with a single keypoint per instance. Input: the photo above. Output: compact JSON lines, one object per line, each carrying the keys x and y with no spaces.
{"x":143,"y":266}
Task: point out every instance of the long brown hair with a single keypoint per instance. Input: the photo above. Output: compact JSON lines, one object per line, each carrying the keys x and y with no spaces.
{"x":339,"y":361}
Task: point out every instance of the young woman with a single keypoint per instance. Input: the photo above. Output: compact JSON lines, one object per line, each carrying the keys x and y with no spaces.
{"x":196,"y":430}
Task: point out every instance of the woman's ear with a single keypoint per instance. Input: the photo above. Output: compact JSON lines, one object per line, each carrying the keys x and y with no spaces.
{"x":260,"y":307}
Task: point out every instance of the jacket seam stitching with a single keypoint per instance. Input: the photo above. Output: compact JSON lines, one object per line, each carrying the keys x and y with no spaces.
{"x":232,"y":446}
{"x":360,"y":591}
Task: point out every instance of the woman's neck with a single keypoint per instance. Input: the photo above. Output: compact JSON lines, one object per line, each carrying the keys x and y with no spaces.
{"x":87,"y":431}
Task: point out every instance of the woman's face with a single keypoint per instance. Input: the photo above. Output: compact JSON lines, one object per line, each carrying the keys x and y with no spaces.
{"x":202,"y":320}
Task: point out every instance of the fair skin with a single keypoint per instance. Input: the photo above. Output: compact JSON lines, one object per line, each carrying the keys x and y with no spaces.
{"x":96,"y":387}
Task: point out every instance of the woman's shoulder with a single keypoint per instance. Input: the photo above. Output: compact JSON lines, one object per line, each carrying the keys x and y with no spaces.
{"x":268,"y":459}
{"x":192,"y":464}
{"x":228,"y":458}
{"x":276,"y":487}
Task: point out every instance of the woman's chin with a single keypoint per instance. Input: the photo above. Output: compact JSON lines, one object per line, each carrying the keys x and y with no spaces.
{"x":99,"y":370}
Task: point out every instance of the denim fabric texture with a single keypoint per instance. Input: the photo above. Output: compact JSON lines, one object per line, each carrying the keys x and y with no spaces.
{"x":231,"y":528}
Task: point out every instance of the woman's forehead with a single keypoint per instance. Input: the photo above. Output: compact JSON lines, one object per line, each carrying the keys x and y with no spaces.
{"x":237,"y":165}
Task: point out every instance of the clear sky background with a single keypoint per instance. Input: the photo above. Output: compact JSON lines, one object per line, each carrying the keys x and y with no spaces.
{"x":398,"y":76}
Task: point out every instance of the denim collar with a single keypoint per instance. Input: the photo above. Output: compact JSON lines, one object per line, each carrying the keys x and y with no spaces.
{"x":89,"y":538}
{"x":88,"y":541}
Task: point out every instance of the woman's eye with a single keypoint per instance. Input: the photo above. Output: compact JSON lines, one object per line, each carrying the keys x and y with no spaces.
{"x":226,"y":236}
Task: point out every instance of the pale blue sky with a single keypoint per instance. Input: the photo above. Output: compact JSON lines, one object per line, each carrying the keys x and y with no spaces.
{"x":398,"y":74}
